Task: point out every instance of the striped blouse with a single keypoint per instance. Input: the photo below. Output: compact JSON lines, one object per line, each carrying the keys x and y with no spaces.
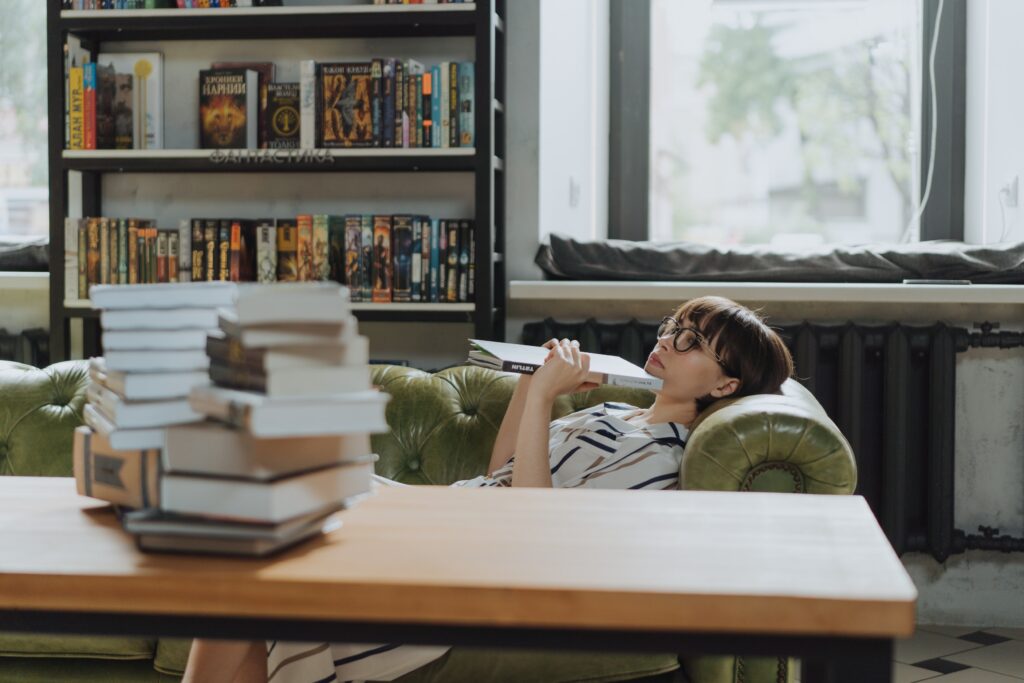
{"x":599,"y":448}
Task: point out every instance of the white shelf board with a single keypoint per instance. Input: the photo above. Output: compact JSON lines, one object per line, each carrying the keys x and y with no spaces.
{"x":264,"y":11}
{"x":805,"y":292}
{"x":11,"y":280}
{"x":206,"y":153}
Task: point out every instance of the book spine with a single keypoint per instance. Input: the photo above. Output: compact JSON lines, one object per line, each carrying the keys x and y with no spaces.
{"x":248,"y":259}
{"x":287,"y":245}
{"x":210,"y":250}
{"x":651,"y":384}
{"x":521,"y":368}
{"x":452,"y":285}
{"x":321,"y":248}
{"x":71,"y":258}
{"x":161,"y":257}
{"x":416,"y":260}
{"x":122,"y":251}
{"x":445,"y":118}
{"x":435,"y":106}
{"x":104,"y":252}
{"x":377,"y":100}
{"x":305,"y":247}
{"x":388,"y":103}
{"x":382,"y":267}
{"x":425,"y":258}
{"x":198,"y":252}
{"x":133,"y":252}
{"x":93,"y":274}
{"x":266,"y":252}
{"x":401,"y":239}
{"x":337,"y":259}
{"x":235,"y":252}
{"x":307,"y":104}
{"x":224,"y":251}
{"x":366,"y":257}
{"x":76,"y":105}
{"x":185,"y":250}
{"x":439,"y":258}
{"x":453,"y":104}
{"x":401,"y":132}
{"x":151,"y":252}
{"x":471,"y":275}
{"x":428,"y":109}
{"x":83,"y":260}
{"x":114,"y":277}
{"x":89,"y":90}
{"x":467,"y":101}
{"x":173,"y":245}
{"x":464,"y":260}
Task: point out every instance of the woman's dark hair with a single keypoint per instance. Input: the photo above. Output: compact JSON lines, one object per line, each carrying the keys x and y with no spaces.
{"x":750,"y":351}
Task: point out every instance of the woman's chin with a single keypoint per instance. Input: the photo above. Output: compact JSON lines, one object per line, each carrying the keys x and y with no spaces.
{"x":652,"y":368}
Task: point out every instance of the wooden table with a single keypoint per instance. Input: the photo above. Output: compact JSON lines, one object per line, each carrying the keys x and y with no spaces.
{"x":687,"y":572}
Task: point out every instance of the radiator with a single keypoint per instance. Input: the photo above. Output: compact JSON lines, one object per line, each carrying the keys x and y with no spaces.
{"x":891,"y":390}
{"x":31,"y":347}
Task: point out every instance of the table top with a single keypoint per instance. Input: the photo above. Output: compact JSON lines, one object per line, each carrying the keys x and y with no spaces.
{"x":677,"y":561}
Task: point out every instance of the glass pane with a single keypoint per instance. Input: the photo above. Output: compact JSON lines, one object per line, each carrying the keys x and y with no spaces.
{"x":785,"y":122}
{"x":23,"y":122}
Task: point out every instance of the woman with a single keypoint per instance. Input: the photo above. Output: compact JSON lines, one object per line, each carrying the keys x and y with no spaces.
{"x":709,"y":349}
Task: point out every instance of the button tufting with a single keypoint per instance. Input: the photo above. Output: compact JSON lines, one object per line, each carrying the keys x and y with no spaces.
{"x":414,"y":464}
{"x":469,"y":411}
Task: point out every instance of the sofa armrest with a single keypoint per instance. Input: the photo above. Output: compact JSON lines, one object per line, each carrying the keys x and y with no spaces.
{"x":39,"y":410}
{"x":783,"y":443}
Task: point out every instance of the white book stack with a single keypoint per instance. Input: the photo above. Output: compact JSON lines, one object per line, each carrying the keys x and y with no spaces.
{"x":290,"y":408}
{"x":154,"y":339}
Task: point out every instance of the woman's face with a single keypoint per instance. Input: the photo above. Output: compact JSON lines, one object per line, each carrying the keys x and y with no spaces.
{"x":691,"y":374}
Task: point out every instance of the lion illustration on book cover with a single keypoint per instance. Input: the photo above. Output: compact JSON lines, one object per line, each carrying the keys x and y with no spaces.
{"x":347,"y":112}
{"x":223,"y":121}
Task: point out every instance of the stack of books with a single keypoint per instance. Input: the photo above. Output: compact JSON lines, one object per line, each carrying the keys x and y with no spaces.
{"x":286,"y":443}
{"x":154,"y":338}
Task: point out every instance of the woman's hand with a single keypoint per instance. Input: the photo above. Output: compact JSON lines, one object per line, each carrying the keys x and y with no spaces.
{"x":564,"y":371}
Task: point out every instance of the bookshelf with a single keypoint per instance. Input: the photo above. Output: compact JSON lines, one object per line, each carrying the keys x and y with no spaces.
{"x":482,"y":21}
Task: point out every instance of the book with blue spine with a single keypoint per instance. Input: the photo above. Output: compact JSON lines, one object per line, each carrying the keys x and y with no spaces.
{"x":435,"y":106}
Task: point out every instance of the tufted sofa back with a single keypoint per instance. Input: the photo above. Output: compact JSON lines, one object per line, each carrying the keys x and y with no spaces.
{"x":443,"y":426}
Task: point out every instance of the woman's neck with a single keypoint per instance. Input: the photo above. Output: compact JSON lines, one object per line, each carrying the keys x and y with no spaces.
{"x":668,"y":410}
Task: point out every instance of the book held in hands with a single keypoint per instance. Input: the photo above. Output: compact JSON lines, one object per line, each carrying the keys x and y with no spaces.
{"x":526,"y":360}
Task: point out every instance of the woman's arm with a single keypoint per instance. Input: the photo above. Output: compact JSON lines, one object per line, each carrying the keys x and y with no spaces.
{"x":563,"y":372}
{"x":504,"y":445}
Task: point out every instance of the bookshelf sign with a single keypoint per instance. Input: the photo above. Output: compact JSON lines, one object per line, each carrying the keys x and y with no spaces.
{"x":271,"y":156}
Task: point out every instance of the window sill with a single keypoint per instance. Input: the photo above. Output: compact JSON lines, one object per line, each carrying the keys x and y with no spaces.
{"x":765,"y":292}
{"x":33,"y":281}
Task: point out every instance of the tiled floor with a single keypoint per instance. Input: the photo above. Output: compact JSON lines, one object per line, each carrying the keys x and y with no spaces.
{"x":954,"y":654}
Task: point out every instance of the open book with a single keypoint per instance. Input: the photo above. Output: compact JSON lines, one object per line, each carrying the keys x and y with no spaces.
{"x":525,"y":360}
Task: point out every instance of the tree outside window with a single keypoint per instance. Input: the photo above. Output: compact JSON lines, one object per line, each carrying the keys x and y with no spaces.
{"x":23,"y":119}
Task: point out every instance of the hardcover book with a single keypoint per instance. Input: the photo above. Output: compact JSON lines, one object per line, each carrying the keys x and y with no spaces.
{"x":266,"y":78}
{"x":123,"y":477}
{"x":336,"y":257}
{"x":122,"y":439}
{"x":304,"y":247}
{"x":321,"y":248}
{"x":345,"y":111}
{"x":402,"y":243}
{"x":382,"y":265}
{"x":142,"y":386}
{"x":287,"y":250}
{"x":228,"y":109}
{"x":283,"y":115}
{"x":266,"y":251}
{"x":139,"y":96}
{"x":526,"y":360}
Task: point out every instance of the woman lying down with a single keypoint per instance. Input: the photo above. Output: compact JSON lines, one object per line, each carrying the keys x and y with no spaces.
{"x":710,"y":349}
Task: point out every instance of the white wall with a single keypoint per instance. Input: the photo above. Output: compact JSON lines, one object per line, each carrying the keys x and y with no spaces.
{"x":995,"y":110}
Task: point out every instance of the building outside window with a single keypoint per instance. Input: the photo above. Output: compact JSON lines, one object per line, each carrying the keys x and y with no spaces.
{"x":23,"y":120}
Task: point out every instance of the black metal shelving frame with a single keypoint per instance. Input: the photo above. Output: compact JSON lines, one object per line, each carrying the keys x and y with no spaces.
{"x":482,"y":20}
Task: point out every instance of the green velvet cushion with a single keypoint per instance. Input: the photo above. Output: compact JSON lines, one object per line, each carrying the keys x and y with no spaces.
{"x":100,"y":647}
{"x":39,"y":411}
{"x":172,"y":655}
{"x":80,"y":671}
{"x":481,"y":665}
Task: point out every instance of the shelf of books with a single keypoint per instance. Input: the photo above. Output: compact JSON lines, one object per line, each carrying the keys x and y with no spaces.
{"x":137,"y":112}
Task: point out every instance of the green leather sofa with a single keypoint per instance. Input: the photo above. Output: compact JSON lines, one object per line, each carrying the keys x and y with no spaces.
{"x":442,"y":428}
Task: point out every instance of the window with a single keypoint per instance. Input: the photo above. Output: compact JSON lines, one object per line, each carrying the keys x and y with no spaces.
{"x":787,"y":123}
{"x":23,"y":120}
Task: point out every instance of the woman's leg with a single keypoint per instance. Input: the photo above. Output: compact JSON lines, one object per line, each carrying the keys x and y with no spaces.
{"x":216,"y":661}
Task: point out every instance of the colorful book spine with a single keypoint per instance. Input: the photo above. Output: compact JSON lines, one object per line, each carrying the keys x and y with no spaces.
{"x":453,"y":104}
{"x":467,"y":98}
{"x":235,"y":252}
{"x":337,"y":261}
{"x":122,"y":251}
{"x":89,"y":109}
{"x":388,"y":103}
{"x":366,"y":257}
{"x":435,"y":106}
{"x":224,"y":250}
{"x":428,"y":108}
{"x":425,"y":257}
{"x":464,"y":241}
{"x":287,"y":248}
{"x":377,"y":100}
{"x":104,"y":252}
{"x":198,"y":253}
{"x":76,"y":105}
{"x":304,"y":247}
{"x":210,"y":248}
{"x":173,"y":250}
{"x":266,"y":251}
{"x":452,"y":286}
{"x":416,"y":260}
{"x":321,"y":248}
{"x":444,"y":116}
{"x":442,"y":260}
{"x":382,"y":266}
{"x":161,"y":257}
{"x":401,"y":240}
{"x":133,"y":252}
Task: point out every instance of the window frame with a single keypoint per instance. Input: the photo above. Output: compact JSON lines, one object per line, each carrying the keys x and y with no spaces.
{"x":629,"y":120}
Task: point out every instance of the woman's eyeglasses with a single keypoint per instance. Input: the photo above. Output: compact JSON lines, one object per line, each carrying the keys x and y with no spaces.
{"x":686,"y":338}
